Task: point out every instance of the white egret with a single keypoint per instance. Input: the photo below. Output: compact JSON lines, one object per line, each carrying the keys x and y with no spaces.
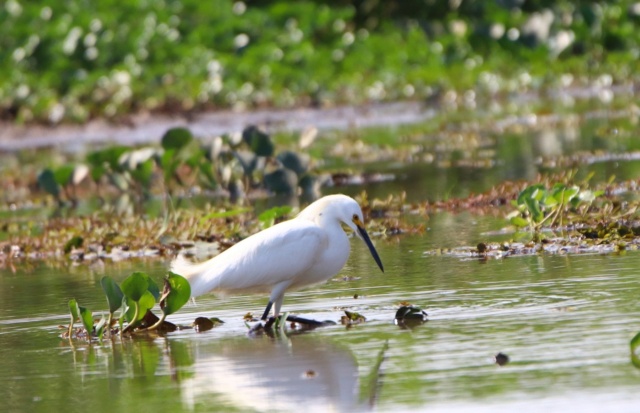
{"x":308,"y":249}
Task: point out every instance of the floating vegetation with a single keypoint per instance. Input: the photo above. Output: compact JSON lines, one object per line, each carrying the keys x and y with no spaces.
{"x":350,"y":318}
{"x":586,"y":219}
{"x":135,"y":297}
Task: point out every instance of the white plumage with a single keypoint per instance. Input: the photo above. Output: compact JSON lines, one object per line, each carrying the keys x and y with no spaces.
{"x":306,"y":250}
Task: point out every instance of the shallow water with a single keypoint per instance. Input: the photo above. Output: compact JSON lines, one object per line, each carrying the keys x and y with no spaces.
{"x":564,"y":321}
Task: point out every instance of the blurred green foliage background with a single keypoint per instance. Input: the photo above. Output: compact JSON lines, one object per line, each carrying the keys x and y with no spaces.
{"x":80,"y":59}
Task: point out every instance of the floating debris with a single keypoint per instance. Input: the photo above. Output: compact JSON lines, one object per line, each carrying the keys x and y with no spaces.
{"x":351,"y":318}
{"x":202,"y":324}
{"x":501,"y":359}
{"x":410,"y":316}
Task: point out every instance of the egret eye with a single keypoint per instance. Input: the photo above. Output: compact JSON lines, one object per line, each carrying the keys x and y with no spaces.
{"x":355,"y":217}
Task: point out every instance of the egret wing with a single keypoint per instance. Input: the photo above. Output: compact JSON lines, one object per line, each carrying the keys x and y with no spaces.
{"x":280,"y":253}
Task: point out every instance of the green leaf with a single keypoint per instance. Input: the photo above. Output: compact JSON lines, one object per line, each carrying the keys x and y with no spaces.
{"x":268,"y":217}
{"x":74,"y":242}
{"x":168,"y":164}
{"x":87,"y":319}
{"x":550,"y":201}
{"x":113,"y":292}
{"x":529,"y":193}
{"x":534,"y":209}
{"x":176,"y":138}
{"x":296,"y":162}
{"x":47,"y":182}
{"x":224,"y":214}
{"x":64,"y":174}
{"x":259,"y":142}
{"x":73,"y":309}
{"x":179,"y":292}
{"x":124,"y":311}
{"x":146,"y":302}
{"x":519,"y":222}
{"x":135,"y":285}
{"x":143,"y":172}
{"x":106,"y":158}
{"x":100,"y":327}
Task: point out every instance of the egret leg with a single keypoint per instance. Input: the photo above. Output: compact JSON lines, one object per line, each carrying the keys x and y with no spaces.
{"x":276,"y":298}
{"x":266,"y":311}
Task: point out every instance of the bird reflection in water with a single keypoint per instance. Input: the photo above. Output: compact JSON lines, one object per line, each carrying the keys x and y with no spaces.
{"x":297,"y":373}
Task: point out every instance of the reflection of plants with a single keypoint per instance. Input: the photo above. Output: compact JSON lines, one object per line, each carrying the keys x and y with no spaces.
{"x":634,"y":344}
{"x":134,"y":297}
{"x":538,"y":205}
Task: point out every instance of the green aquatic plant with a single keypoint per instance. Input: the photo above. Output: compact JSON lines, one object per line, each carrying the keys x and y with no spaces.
{"x":538,"y":205}
{"x":135,"y":297}
{"x":175,"y":294}
{"x":62,"y":181}
{"x":141,"y":293}
{"x":114,"y":295}
{"x":268,"y":218}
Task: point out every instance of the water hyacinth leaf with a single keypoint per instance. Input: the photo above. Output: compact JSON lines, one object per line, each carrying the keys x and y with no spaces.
{"x":143,"y":172}
{"x":176,"y":293}
{"x":224,"y":214}
{"x":47,"y":182}
{"x":166,"y":160}
{"x":534,"y":209}
{"x":146,"y":302}
{"x":75,"y":314}
{"x":113,"y":292}
{"x":298,"y":163}
{"x":531,"y":192}
{"x":207,"y":175}
{"x":310,"y":185}
{"x":135,"y":285}
{"x":123,"y":312}
{"x":281,"y":181}
{"x":100,"y":327}
{"x":248,"y":161}
{"x":551,"y":201}
{"x":268,"y":217}
{"x":63,"y":174}
{"x":518,"y":221}
{"x":75,"y":242}
{"x":87,"y":319}
{"x":176,"y":138}
{"x":105,"y":159}
{"x":259,"y":142}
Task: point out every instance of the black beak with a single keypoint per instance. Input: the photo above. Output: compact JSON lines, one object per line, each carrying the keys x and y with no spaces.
{"x":372,"y":249}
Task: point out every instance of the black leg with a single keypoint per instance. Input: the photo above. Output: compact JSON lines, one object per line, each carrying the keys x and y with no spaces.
{"x":266,"y":311}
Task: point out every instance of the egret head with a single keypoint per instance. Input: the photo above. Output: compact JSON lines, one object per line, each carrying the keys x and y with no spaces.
{"x":343,"y":209}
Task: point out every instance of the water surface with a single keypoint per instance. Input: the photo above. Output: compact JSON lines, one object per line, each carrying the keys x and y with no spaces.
{"x":564,"y":321}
